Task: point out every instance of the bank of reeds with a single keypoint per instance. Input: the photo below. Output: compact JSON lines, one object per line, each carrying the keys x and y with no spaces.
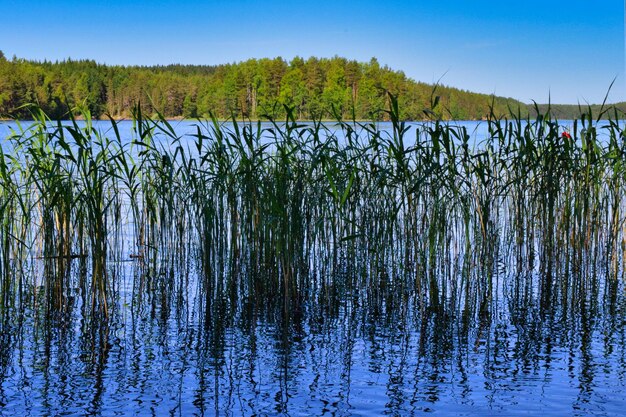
{"x":293,"y":214}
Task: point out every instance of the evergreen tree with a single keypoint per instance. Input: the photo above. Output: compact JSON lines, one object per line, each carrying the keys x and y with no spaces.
{"x":315,"y":88}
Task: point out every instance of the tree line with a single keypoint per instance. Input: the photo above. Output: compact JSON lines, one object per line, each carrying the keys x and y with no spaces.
{"x":314,"y":88}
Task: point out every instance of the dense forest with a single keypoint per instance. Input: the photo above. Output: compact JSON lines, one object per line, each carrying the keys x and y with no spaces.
{"x":315,"y":88}
{"x":573,"y":111}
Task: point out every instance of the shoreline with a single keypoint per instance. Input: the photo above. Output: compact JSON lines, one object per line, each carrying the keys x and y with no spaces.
{"x":281,"y":120}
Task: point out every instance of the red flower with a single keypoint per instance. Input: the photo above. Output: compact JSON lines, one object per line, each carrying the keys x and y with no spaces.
{"x":566,"y":135}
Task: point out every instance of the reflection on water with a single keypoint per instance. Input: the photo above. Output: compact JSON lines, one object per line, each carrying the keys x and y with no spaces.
{"x":317,"y":273}
{"x":340,"y":352}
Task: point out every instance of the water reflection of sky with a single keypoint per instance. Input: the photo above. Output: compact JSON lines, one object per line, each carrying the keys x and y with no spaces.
{"x":158,"y":360}
{"x":186,"y":129}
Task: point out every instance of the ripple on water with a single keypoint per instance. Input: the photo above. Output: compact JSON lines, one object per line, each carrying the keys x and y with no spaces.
{"x":147,"y":364}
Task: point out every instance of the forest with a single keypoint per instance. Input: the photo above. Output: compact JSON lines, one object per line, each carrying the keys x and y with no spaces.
{"x":313,"y":88}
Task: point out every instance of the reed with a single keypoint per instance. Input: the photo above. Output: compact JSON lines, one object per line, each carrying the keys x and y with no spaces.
{"x":311,"y":211}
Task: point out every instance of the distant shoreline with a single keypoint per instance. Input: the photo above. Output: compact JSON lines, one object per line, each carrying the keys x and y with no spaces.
{"x":608,"y":116}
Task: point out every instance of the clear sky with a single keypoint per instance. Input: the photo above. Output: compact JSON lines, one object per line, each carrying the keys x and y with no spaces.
{"x":530,"y":50}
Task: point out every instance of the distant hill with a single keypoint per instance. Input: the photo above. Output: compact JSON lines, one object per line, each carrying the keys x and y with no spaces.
{"x":573,"y":111}
{"x":314,"y":87}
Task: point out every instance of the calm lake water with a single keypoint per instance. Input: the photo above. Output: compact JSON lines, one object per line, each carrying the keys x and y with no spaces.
{"x":337,"y":358}
{"x":170,"y":348}
{"x":478,"y":130}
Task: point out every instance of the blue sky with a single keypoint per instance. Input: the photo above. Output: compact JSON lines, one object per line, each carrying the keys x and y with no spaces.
{"x":567,"y":50}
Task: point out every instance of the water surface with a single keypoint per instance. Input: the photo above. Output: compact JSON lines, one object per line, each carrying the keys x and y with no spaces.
{"x":416,"y":316}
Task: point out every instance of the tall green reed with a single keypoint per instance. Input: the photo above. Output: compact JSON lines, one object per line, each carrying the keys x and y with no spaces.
{"x":410,"y":213}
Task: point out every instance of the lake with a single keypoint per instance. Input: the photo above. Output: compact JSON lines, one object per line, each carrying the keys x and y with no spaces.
{"x":388,"y":290}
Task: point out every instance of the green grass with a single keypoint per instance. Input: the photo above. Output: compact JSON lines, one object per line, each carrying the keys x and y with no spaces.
{"x":308,"y":212}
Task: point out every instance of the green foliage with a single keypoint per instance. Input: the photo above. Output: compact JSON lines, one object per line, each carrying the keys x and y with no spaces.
{"x":261,"y":208}
{"x":315,"y":88}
